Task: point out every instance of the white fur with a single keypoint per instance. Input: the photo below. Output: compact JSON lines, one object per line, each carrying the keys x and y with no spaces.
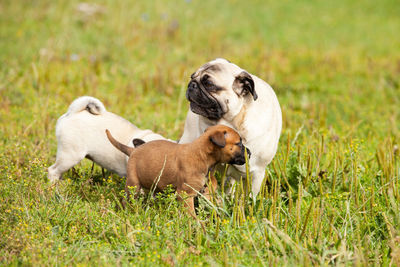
{"x":260,"y":129}
{"x":81,"y":133}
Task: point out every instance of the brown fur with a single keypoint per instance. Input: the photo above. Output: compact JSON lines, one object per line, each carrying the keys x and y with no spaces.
{"x":184,"y":166}
{"x":121,"y":147}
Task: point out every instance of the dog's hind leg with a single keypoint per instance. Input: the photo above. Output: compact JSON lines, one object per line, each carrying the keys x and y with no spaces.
{"x":65,"y":161}
{"x":132,"y":182}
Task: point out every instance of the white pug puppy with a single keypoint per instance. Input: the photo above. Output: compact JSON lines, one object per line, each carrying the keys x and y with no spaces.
{"x":81,"y":134}
{"x":220,"y":92}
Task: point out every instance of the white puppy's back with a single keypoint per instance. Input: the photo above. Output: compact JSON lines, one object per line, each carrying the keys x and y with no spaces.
{"x":81,"y":133}
{"x":87,"y":119}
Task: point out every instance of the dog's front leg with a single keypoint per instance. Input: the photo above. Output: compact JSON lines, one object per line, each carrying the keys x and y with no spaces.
{"x":258,"y":178}
{"x":210,"y":189}
{"x":188,"y":200}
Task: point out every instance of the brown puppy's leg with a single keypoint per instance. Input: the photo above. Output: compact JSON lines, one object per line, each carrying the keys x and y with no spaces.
{"x":209,"y":191}
{"x":132,"y":183}
{"x":189,"y":201}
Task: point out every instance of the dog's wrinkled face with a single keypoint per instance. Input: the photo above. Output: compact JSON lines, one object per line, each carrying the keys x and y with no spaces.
{"x":218,"y":90}
{"x":228,"y":144}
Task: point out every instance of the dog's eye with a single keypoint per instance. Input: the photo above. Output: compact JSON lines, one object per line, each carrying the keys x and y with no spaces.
{"x":205,"y":77}
{"x":205,"y":80}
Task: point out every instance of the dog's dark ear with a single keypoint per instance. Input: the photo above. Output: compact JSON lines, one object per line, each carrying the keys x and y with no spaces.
{"x":244,"y":84}
{"x":137,"y":142}
{"x":218,"y":138}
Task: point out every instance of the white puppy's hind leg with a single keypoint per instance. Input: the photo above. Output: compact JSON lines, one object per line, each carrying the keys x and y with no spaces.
{"x":64,"y":162}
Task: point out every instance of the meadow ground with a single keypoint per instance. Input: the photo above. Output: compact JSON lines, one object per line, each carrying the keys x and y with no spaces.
{"x":332,"y":193}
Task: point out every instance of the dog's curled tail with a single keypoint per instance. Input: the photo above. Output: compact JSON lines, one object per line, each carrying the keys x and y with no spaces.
{"x":121,"y":147}
{"x":91,"y":104}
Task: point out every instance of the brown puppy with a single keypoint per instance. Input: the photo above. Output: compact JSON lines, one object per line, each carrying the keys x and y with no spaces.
{"x":184,"y":166}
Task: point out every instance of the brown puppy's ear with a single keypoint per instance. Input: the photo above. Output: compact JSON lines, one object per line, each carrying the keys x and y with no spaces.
{"x":244,"y":84}
{"x":218,"y":138}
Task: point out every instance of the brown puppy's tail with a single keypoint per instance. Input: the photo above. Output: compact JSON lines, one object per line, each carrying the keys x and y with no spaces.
{"x":121,"y":147}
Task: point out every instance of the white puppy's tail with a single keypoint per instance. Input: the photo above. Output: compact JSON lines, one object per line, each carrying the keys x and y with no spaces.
{"x":91,"y":104}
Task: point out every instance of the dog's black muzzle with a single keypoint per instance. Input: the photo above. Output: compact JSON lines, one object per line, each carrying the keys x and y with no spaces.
{"x":240,"y":158}
{"x":202,"y":103}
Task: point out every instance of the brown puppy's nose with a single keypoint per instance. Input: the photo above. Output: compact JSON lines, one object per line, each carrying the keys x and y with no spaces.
{"x":248,"y":152}
{"x":240,"y":157}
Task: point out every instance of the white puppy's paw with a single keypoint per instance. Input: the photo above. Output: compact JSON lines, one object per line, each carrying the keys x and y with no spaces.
{"x":52,"y":175}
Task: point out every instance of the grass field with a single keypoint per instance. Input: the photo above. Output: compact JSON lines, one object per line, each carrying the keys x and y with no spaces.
{"x":333,"y":189}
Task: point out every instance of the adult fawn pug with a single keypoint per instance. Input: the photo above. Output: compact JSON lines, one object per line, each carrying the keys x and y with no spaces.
{"x":220,"y":92}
